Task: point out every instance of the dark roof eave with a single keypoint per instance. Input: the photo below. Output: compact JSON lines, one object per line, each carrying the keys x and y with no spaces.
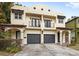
{"x":71,"y":20}
{"x":11,"y":25}
{"x":62,"y":28}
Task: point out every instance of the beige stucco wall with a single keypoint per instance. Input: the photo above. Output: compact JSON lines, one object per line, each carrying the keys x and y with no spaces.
{"x":38,"y":32}
{"x":36,"y":11}
{"x":26,"y":20}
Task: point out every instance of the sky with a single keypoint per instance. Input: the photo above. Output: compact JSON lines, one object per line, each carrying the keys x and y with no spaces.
{"x":68,"y":8}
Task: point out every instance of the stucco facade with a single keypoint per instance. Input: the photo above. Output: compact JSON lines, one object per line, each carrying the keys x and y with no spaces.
{"x":40,"y":13}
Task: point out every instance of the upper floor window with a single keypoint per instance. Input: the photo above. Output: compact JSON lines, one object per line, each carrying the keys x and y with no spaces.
{"x":78,"y":20}
{"x":18,"y":16}
{"x":17,"y":13}
{"x":35,"y":22}
{"x":60,"y":20}
{"x":47,"y":23}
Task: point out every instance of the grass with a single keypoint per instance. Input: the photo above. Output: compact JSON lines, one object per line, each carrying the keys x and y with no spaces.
{"x":3,"y":53}
{"x":76,"y":47}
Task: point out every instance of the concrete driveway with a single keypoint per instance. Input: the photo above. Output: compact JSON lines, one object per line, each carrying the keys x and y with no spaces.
{"x":47,"y":50}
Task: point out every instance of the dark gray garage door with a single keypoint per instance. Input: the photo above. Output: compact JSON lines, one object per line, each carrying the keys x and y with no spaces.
{"x":33,"y":38}
{"x":49,"y":38}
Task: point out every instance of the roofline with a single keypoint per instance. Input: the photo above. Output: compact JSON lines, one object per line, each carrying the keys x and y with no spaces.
{"x":63,"y":28}
{"x":72,"y":20}
{"x":11,"y":25}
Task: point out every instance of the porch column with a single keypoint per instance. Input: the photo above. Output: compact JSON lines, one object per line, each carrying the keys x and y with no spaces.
{"x":61,"y":38}
{"x":42,"y":26}
{"x":42,"y":22}
{"x":42,"y":38}
{"x":21,"y":34}
{"x":69,"y":37}
{"x":56,"y":38}
{"x":22,"y":38}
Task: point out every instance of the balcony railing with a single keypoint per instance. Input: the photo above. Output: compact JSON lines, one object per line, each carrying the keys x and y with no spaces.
{"x":52,"y":25}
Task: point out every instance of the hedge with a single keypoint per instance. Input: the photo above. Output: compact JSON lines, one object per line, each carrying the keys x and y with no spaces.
{"x":4,"y":43}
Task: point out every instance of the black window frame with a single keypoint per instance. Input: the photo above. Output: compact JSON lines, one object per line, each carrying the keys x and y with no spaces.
{"x":47,"y":23}
{"x":34,"y":22}
{"x":18,"y":16}
{"x":60,"y":20}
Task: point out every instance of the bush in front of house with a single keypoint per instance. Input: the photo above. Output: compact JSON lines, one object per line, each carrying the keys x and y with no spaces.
{"x":13,"y":48}
{"x":10,"y":45}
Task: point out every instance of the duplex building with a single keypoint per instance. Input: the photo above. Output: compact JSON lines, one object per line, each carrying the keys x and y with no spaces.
{"x":38,"y":24}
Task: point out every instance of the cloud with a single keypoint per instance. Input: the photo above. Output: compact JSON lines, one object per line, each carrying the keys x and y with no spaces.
{"x":73,"y":4}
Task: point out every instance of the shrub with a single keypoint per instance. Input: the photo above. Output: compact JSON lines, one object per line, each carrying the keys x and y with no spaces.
{"x":10,"y":45}
{"x":13,"y":48}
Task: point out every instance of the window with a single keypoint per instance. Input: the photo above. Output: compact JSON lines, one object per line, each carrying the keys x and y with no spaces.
{"x":18,"y":16}
{"x":78,"y":20}
{"x":60,"y":20}
{"x":47,"y":23}
{"x":35,"y":22}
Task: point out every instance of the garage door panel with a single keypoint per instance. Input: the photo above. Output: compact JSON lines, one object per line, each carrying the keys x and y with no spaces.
{"x":33,"y":38}
{"x":49,"y":38}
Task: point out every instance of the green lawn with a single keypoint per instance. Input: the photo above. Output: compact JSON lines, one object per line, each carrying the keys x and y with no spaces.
{"x":76,"y":47}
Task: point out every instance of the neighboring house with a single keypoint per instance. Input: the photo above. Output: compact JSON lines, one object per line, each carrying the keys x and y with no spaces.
{"x":74,"y":24}
{"x":38,"y":25}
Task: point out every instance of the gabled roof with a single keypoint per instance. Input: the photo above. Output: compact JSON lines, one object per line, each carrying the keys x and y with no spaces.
{"x":72,"y":20}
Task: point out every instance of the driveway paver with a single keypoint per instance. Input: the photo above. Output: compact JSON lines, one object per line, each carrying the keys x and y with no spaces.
{"x":47,"y":50}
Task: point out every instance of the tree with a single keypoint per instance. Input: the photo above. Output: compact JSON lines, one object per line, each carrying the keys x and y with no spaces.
{"x":2,"y":17}
{"x":6,"y":8}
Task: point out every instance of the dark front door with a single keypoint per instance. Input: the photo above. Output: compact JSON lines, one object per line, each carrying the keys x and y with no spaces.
{"x":17,"y":34}
{"x":58,"y":36}
{"x":33,"y":38}
{"x":49,"y":38}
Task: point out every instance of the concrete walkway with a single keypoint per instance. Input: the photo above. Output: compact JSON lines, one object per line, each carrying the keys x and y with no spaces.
{"x":47,"y":50}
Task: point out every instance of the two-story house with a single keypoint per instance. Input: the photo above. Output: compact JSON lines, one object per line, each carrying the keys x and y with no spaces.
{"x":38,"y":24}
{"x":74,"y":24}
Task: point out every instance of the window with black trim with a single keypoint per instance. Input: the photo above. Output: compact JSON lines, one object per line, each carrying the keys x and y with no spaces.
{"x":60,"y":20}
{"x":47,"y":23}
{"x":18,"y":16}
{"x":35,"y":22}
{"x":78,"y":20}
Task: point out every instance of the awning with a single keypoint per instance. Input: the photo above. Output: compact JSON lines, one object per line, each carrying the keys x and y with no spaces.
{"x":60,"y":17}
{"x":17,"y":11}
